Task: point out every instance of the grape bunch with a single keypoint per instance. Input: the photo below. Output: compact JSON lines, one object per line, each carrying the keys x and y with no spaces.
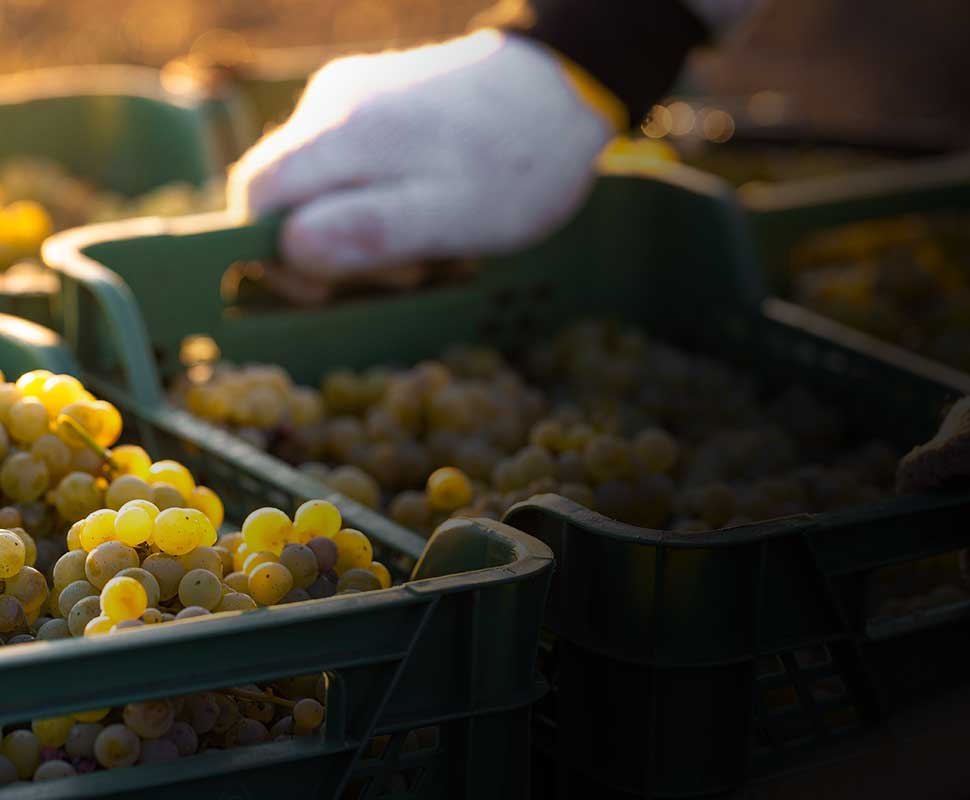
{"x":903,"y":280}
{"x":631,"y":427}
{"x":141,"y":565}
{"x":252,"y":399}
{"x":157,"y":731}
{"x":56,"y":468}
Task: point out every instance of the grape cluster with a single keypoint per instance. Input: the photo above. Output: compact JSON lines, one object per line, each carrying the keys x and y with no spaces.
{"x":903,"y":280}
{"x":157,"y":731}
{"x":253,"y":399}
{"x":141,"y":565}
{"x":638,"y":430}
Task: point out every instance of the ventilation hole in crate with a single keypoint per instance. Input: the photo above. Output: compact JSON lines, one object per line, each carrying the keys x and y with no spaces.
{"x":842,"y":719}
{"x":781,"y":699}
{"x":770,"y":665}
{"x":544,"y":290}
{"x":829,"y":690}
{"x":836,"y":362}
{"x":503,"y":298}
{"x":809,"y":657}
{"x":395,"y":765}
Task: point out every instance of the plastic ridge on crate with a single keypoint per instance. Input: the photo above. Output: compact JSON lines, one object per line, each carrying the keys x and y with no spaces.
{"x":453,"y":650}
{"x":783,"y":214}
{"x":672,"y":252}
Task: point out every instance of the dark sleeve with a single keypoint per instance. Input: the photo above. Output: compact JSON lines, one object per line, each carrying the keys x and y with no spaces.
{"x":633,"y":47}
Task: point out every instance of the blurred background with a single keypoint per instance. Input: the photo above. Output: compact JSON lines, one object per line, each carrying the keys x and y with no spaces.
{"x":893,"y":71}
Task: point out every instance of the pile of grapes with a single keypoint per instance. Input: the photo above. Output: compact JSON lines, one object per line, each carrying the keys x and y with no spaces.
{"x":633,"y":428}
{"x":157,"y":731}
{"x":904,"y":280}
{"x":98,"y":540}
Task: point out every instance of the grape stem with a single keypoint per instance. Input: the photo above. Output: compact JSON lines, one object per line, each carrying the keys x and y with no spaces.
{"x":259,"y":697}
{"x":102,"y":452}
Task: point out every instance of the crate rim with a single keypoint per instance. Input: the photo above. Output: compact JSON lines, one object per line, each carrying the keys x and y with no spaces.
{"x":531,"y":558}
{"x":101,"y":80}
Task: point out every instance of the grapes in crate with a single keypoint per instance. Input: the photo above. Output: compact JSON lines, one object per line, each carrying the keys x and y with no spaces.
{"x":636,"y":429}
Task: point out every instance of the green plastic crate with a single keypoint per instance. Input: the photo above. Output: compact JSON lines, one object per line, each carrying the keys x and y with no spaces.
{"x":660,"y":692}
{"x":783,"y":215}
{"x":118,"y":127}
{"x":449,"y":654}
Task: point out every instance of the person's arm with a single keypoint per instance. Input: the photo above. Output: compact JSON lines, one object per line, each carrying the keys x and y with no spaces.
{"x":634,"y":48}
{"x":482,"y":144}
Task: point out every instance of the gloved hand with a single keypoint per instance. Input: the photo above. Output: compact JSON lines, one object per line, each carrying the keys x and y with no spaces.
{"x":477,"y":145}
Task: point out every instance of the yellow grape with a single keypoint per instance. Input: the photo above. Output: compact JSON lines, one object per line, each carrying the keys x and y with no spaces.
{"x":110,"y":423}
{"x":69,"y":568}
{"x":239,"y":556}
{"x":133,"y":526}
{"x":207,"y":501}
{"x":73,"y":593}
{"x":301,"y":561}
{"x":107,"y":560}
{"x":173,"y":473}
{"x":29,"y":587}
{"x":31,"y":384}
{"x":178,"y":531}
{"x":99,"y":527}
{"x":123,"y":598}
{"x":236,"y":601}
{"x":269,"y":583}
{"x":307,"y":715}
{"x":231,"y":541}
{"x":125,"y":488}
{"x":30,"y":546}
{"x":448,"y":489}
{"x":83,"y":611}
{"x":200,"y":587}
{"x":130,"y":459}
{"x":77,"y":495}
{"x":54,"y":453}
{"x":354,"y":550}
{"x":266,"y":529}
{"x":315,"y":518}
{"x":9,"y":394}
{"x":117,"y":746}
{"x":84,"y":414}
{"x":53,"y":731}
{"x":99,"y":626}
{"x":13,"y":554}
{"x":93,"y":715}
{"x":167,"y":571}
{"x":382,"y":573}
{"x":59,"y":391}
{"x":145,"y":505}
{"x":74,"y":536}
{"x":166,"y":496}
{"x":22,"y":749}
{"x":148,"y":582}
{"x":202,"y":557}
{"x":225,"y":557}
{"x":24,"y":478}
{"x":238,"y":582}
{"x":255,"y":559}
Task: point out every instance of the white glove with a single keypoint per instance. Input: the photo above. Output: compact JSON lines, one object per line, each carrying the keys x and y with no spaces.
{"x":477,"y":145}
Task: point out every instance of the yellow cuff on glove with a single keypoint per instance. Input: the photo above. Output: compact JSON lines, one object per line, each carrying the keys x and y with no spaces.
{"x":595,"y":94}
